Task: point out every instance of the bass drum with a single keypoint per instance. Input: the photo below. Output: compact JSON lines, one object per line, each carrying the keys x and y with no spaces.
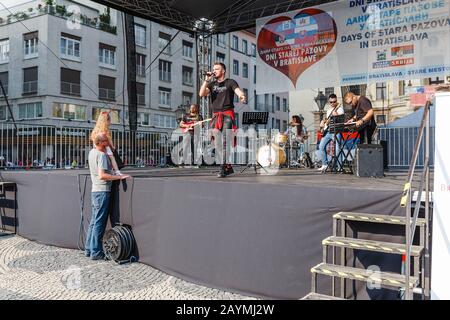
{"x":271,"y":155}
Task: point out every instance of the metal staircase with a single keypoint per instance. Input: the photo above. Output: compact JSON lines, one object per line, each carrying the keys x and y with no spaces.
{"x":416,"y":278}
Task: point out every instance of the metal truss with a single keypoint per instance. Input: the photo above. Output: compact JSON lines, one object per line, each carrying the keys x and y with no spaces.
{"x":239,"y":15}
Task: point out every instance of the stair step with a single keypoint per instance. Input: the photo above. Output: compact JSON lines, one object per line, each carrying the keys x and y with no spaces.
{"x":377,"y":218}
{"x":319,"y":296}
{"x":422,"y":198}
{"x":371,"y":245}
{"x":382,"y":278}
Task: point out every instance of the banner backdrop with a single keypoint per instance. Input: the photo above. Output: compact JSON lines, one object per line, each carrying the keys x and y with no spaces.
{"x":440,"y":258}
{"x":353,"y":42}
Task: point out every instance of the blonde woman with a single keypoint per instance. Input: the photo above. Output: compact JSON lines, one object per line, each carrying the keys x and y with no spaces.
{"x":102,"y":126}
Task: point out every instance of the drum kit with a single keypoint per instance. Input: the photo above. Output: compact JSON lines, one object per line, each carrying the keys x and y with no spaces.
{"x":279,"y":149}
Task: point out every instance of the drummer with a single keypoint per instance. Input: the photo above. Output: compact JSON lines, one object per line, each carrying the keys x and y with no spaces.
{"x":297,"y":133}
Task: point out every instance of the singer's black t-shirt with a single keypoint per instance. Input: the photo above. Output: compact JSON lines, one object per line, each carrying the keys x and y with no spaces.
{"x":222,"y":94}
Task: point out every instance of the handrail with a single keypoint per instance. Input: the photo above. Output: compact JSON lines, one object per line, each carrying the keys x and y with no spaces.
{"x":410,"y":227}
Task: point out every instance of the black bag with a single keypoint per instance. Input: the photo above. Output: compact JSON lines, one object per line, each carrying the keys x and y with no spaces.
{"x":119,"y":161}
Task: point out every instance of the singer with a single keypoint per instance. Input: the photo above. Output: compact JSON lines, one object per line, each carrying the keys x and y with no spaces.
{"x":222,"y":92}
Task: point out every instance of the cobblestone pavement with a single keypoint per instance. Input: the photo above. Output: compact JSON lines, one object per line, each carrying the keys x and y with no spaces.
{"x":32,"y":271}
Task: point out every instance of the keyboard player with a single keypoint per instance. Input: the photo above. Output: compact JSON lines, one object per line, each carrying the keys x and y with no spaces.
{"x":364,"y":116}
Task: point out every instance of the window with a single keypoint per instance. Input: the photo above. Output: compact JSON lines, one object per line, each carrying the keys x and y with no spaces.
{"x":5,"y":81}
{"x":381,"y":90}
{"x":30,"y":110}
{"x":273,"y":123}
{"x":381,"y":118}
{"x":187,"y":49}
{"x":164,"y":121}
{"x":273,"y":103}
{"x":70,"y":82}
{"x":114,"y":114}
{"x":221,"y":40}
{"x":253,"y":50}
{"x":284,"y":128}
{"x":164,"y":70}
{"x":106,"y":55}
{"x":187,"y":76}
{"x":245,"y":70}
{"x":284,"y":105}
{"x":139,"y":35}
{"x":69,"y":111}
{"x":277,"y":124}
{"x":278,"y":103}
{"x":140,"y":89}
{"x":70,"y":46}
{"x":246,"y":95}
{"x":165,"y":97}
{"x":401,"y":88}
{"x":163,"y":40}
{"x":236,"y":115}
{"x":435,"y":81}
{"x":4,"y":113}
{"x":235,"y":99}
{"x":255,"y":100}
{"x":235,"y":43}
{"x":140,"y":65}
{"x":235,"y":67}
{"x":187,"y":98}
{"x":356,"y":89}
{"x":4,"y":50}
{"x":329,"y":91}
{"x":30,"y":45}
{"x":30,"y":80}
{"x":254,"y":74}
{"x":244,"y":46}
{"x":145,"y":119}
{"x":220,"y":57}
{"x":106,"y":88}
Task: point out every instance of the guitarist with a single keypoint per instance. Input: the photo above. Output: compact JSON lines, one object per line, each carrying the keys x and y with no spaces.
{"x":190,"y":123}
{"x":334,"y":109}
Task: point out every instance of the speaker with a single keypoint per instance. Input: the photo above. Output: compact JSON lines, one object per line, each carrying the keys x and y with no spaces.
{"x":369,"y":160}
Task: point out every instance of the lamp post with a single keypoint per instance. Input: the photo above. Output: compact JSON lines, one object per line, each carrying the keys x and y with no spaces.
{"x":321,"y":101}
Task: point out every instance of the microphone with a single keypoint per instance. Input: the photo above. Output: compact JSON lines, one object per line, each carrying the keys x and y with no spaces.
{"x":211,"y":74}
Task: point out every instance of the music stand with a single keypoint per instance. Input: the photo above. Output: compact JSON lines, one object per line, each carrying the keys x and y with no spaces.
{"x":336,"y":126}
{"x":254,"y":118}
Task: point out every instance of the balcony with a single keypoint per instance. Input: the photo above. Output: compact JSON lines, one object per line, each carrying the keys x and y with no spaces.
{"x":5,"y":86}
{"x":107,"y":94}
{"x":165,"y":76}
{"x":140,"y":71}
{"x":99,"y":22}
{"x":141,"y":99}
{"x":30,"y":87}
{"x":72,"y":89}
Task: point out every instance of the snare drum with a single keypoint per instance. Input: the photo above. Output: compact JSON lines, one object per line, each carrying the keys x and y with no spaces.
{"x":271,"y":155}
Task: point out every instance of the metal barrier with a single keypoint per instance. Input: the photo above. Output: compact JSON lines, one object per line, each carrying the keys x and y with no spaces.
{"x":52,"y":147}
{"x":400,"y":146}
{"x":62,"y":147}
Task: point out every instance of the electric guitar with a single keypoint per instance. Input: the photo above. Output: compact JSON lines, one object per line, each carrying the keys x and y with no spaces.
{"x":192,"y":125}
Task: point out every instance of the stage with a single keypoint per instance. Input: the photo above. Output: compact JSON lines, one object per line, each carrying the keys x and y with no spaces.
{"x":253,"y":234}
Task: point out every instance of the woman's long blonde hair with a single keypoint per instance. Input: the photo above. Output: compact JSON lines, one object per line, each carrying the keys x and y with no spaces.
{"x":102,"y":125}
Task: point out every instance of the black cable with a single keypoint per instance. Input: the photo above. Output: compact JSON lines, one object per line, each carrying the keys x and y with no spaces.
{"x":81,"y":230}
